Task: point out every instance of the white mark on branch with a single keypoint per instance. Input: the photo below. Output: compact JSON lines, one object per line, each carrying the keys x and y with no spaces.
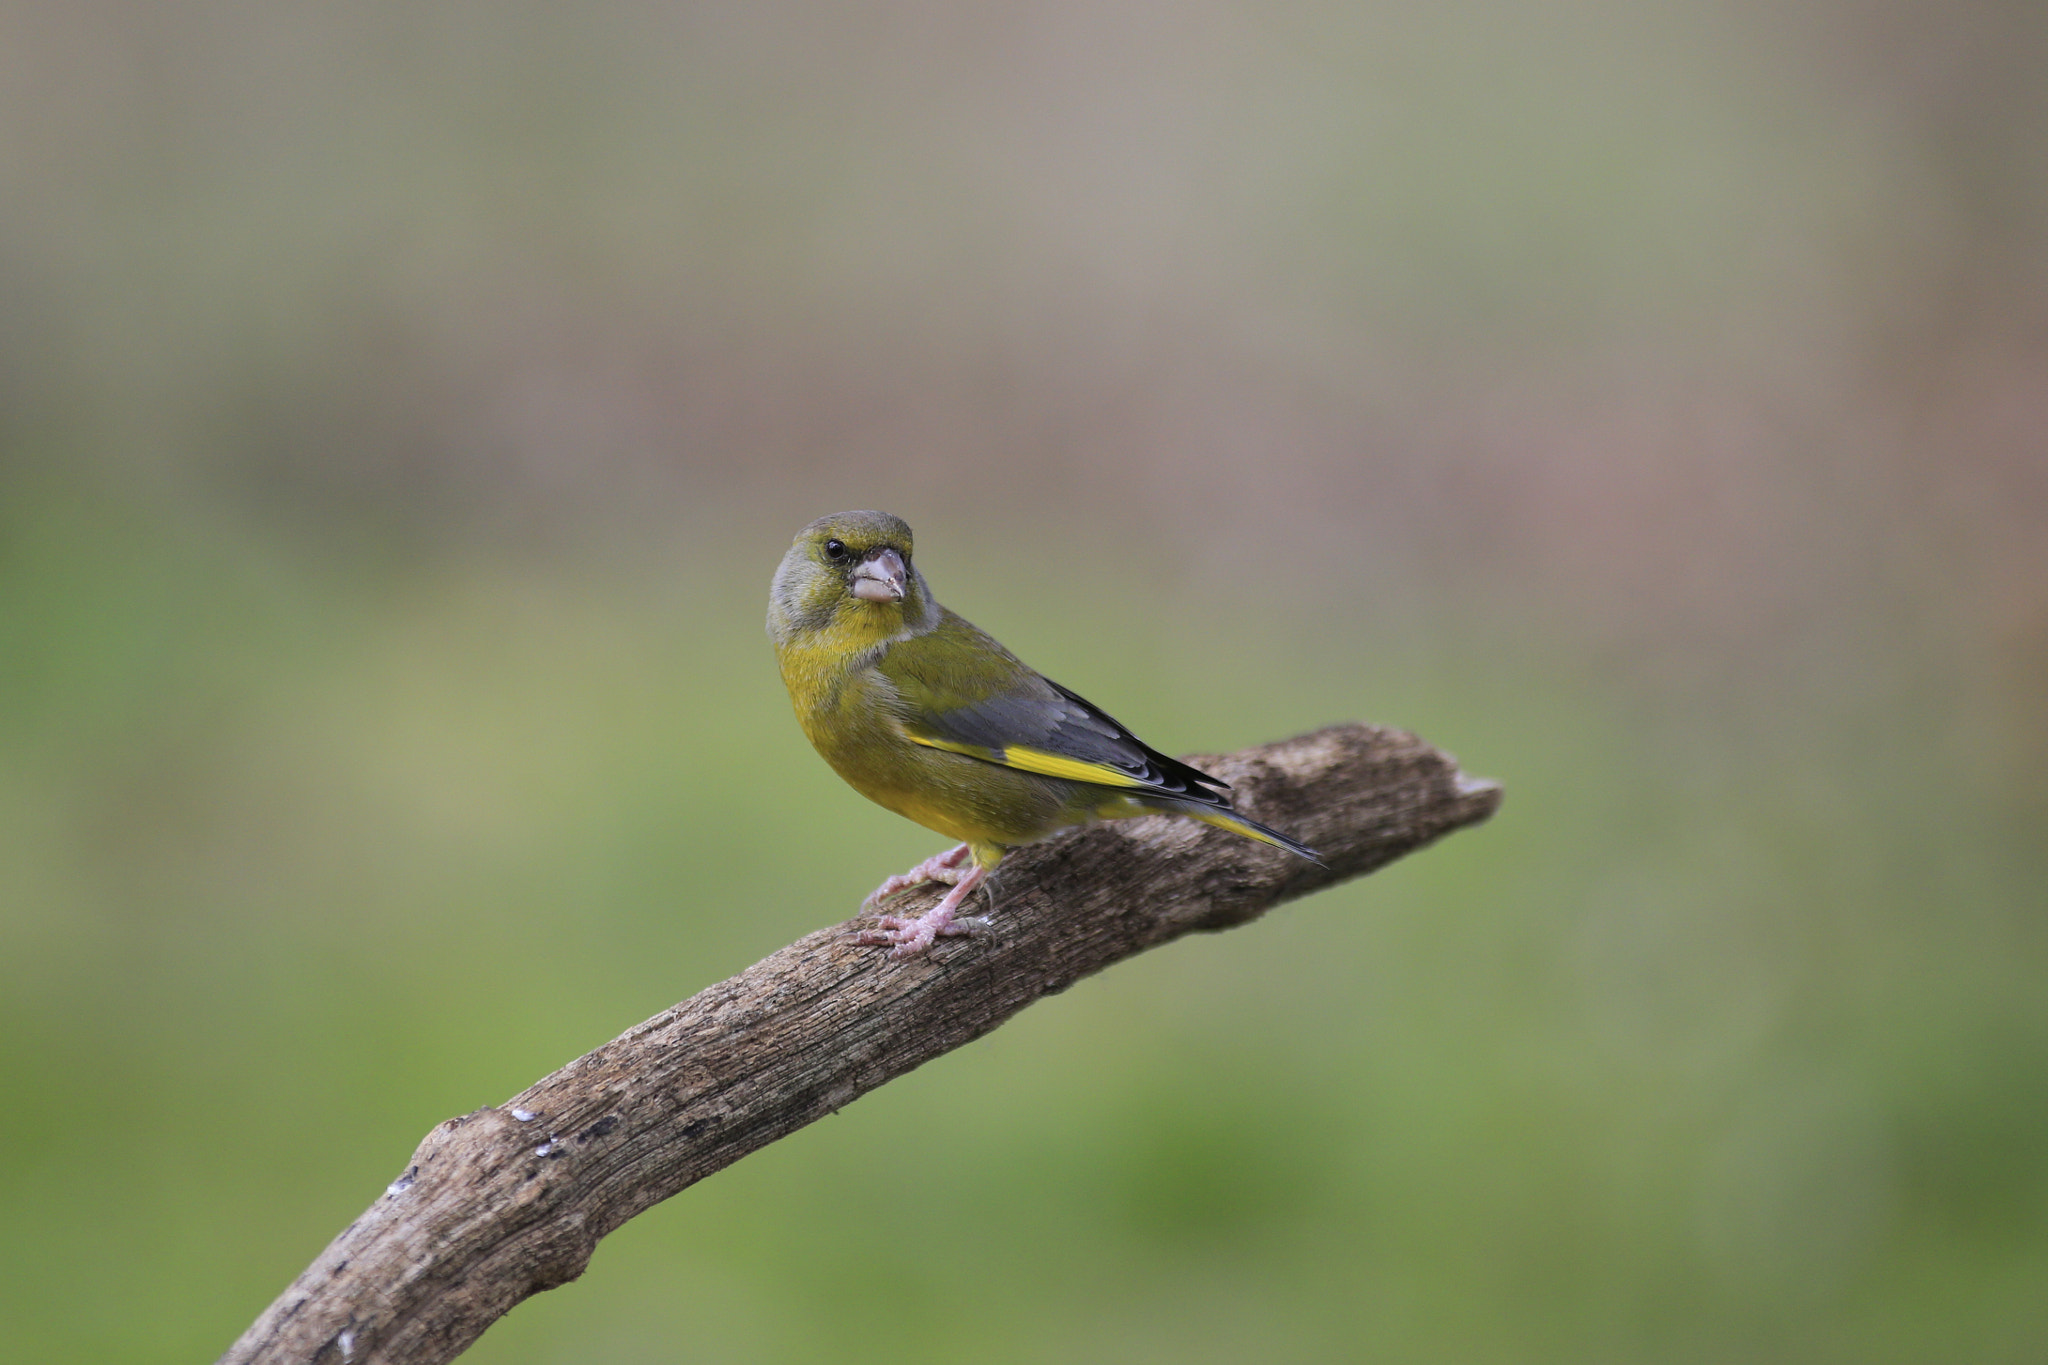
{"x":1475,"y":786}
{"x":523,"y":1115}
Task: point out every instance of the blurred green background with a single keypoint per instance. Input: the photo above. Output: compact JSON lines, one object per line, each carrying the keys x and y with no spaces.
{"x":401,"y":411}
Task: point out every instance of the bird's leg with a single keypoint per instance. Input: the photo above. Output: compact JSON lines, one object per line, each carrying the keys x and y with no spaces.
{"x":908,"y":937}
{"x":940,"y":867}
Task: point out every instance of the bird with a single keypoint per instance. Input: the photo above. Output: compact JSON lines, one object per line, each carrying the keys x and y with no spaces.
{"x":928,"y":716}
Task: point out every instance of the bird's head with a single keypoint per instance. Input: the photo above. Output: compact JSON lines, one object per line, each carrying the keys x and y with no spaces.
{"x":849,"y":572}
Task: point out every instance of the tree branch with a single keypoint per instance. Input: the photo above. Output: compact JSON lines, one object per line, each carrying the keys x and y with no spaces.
{"x":506,"y":1202}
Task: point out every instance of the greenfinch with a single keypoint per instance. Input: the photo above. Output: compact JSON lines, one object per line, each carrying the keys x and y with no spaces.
{"x":922,"y":713}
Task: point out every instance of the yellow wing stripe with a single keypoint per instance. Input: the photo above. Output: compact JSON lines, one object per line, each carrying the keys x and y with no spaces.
{"x":971,"y":750}
{"x":1072,"y":769}
{"x":1039,"y":761}
{"x":1224,"y":820}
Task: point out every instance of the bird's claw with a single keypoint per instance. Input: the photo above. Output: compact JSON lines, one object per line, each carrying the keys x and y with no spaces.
{"x":943,"y":868}
{"x":908,"y":936}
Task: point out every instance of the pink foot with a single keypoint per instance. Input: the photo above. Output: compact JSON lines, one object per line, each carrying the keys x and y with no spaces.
{"x":906,"y":937}
{"x":940,"y":867}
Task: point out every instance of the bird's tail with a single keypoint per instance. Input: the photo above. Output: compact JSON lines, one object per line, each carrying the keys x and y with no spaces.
{"x":1249,"y":828}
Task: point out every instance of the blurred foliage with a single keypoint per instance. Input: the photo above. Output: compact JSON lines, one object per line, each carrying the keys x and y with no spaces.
{"x":401,"y":411}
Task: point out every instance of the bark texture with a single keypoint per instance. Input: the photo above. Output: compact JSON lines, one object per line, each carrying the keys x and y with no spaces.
{"x":505,"y":1202}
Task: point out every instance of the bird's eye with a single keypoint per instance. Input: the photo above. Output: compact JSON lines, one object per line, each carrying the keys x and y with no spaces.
{"x":835,"y":549}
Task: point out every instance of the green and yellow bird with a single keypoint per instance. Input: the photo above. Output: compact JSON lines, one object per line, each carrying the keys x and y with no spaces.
{"x":926,"y":715}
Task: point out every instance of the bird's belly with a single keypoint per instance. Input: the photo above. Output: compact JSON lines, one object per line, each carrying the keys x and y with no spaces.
{"x":961,"y":797}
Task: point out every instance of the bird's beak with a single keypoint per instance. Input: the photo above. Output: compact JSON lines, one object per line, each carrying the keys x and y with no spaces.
{"x":880,"y":578}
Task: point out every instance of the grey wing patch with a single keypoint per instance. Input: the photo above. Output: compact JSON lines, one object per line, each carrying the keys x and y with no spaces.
{"x":1054,"y":721}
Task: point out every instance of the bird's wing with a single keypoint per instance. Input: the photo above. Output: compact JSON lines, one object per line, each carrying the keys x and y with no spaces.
{"x":961,"y":691}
